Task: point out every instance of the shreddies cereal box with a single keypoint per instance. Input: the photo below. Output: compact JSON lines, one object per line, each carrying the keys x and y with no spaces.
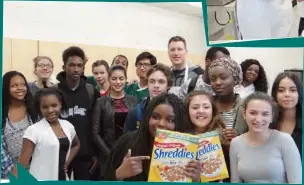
{"x":172,"y":151}
{"x":210,"y":154}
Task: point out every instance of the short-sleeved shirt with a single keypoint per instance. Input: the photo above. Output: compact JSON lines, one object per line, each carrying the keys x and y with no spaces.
{"x":46,"y":149}
{"x":136,"y":91}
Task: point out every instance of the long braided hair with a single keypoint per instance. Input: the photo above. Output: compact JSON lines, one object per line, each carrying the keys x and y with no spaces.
{"x":142,"y":141}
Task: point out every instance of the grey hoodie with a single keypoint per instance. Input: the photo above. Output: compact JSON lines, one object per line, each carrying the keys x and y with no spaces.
{"x":179,"y":78}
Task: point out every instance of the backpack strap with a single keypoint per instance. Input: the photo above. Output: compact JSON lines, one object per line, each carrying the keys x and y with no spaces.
{"x":192,"y":84}
{"x":138,"y":113}
{"x":90,"y":90}
{"x":31,"y":84}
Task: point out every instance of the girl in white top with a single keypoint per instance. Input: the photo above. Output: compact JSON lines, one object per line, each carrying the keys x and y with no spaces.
{"x":263,"y":155}
{"x":254,"y":78}
{"x":52,"y":143}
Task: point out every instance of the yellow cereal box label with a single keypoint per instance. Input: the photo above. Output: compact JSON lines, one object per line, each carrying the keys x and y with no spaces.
{"x":172,"y":151}
{"x":210,"y":154}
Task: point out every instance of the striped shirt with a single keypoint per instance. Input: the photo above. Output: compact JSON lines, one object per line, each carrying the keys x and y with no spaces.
{"x":228,"y":118}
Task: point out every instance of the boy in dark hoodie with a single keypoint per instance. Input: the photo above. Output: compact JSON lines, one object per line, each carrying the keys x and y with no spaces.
{"x":80,"y":98}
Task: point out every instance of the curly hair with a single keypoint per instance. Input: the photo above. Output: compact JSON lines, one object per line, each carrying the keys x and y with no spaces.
{"x":232,"y":66}
{"x":47,"y":92}
{"x":73,"y":51}
{"x":261,"y":83}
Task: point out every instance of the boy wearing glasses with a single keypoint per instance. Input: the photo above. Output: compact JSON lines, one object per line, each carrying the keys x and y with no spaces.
{"x":143,"y":63}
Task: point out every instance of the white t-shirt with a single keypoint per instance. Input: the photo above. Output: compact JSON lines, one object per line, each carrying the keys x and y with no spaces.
{"x":45,"y":157}
{"x":245,"y":91}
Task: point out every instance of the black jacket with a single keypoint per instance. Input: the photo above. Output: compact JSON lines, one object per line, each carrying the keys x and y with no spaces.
{"x":79,"y":113}
{"x":104,"y":121}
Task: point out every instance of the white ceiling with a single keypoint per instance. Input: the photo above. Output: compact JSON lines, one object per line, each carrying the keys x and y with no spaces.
{"x":191,"y":8}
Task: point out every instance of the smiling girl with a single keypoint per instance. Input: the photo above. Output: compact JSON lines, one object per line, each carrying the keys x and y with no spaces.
{"x":17,"y":111}
{"x":52,"y":143}
{"x":254,"y":78}
{"x":287,"y":91}
{"x":129,"y":159}
{"x":43,"y":69}
{"x":204,"y":117}
{"x":110,"y":112}
{"x":263,"y":155}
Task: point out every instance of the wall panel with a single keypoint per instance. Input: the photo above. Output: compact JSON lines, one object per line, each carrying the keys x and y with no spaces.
{"x":97,"y":53}
{"x":23,"y":52}
{"x":7,"y":55}
{"x":54,"y":50}
{"x":131,"y":54}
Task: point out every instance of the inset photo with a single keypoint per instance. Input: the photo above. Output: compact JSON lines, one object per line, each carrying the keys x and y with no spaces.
{"x":236,"y":20}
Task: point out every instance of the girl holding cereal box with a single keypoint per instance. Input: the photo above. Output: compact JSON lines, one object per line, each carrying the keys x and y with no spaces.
{"x":129,"y":159}
{"x":264,"y":155}
{"x":204,"y":118}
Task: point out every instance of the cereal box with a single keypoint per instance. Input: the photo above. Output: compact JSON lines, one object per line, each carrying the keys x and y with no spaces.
{"x":172,"y":151}
{"x":210,"y":154}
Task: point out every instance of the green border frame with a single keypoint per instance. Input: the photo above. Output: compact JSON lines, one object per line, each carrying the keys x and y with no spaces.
{"x":24,"y":175}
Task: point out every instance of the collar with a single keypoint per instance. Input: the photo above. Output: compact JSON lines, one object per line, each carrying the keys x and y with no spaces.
{"x":236,"y":101}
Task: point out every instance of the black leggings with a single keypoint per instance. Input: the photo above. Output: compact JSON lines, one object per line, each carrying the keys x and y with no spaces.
{"x":81,"y":168}
{"x":301,"y":26}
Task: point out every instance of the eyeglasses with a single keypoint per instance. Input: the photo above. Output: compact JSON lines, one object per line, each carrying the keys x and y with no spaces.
{"x":45,"y":66}
{"x":145,"y":65}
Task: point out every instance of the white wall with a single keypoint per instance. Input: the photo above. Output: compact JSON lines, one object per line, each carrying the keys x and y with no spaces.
{"x":131,"y":25}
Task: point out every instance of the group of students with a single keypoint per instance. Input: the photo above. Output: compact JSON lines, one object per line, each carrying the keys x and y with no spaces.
{"x":102,"y":127}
